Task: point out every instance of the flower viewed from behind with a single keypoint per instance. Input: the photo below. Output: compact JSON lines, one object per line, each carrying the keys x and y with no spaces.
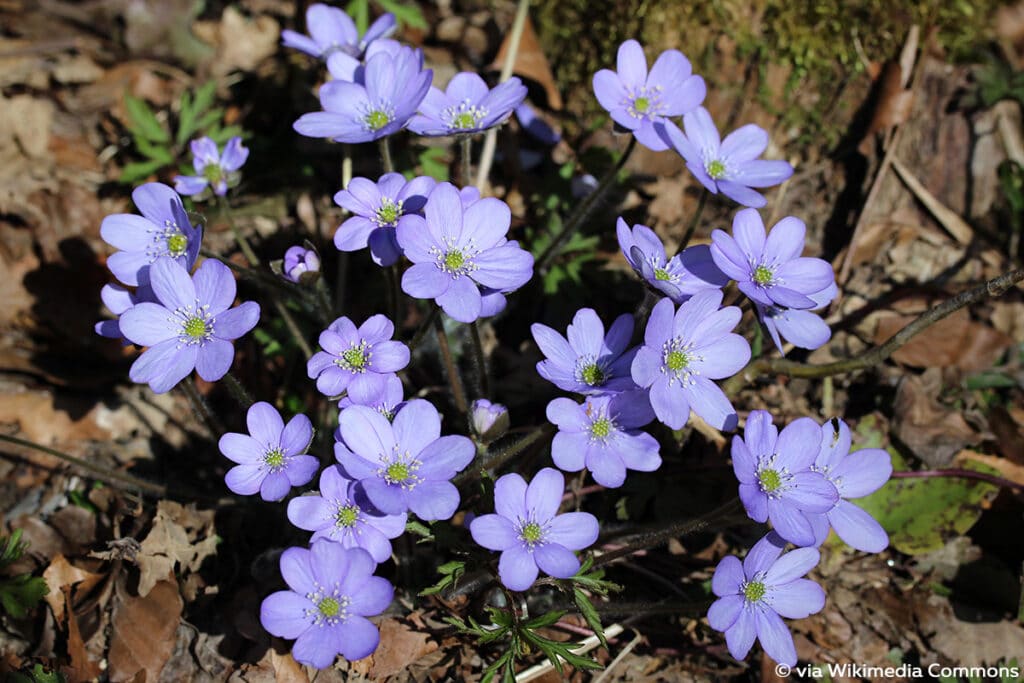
{"x":393,"y":88}
{"x":332,"y":30}
{"x":300,"y":264}
{"x":777,"y":481}
{"x":755,"y":594}
{"x":586,"y":360}
{"x":214,"y":169}
{"x":638,"y":99}
{"x":332,"y":590}
{"x":272,"y":457}
{"x":801,"y":328}
{"x":405,"y":464}
{"x":377,"y":209}
{"x":528,"y":531}
{"x":357,"y":361}
{"x":854,"y":475}
{"x":683,"y":351}
{"x":678,"y":278}
{"x":729,"y":166}
{"x":455,"y":250}
{"x":118,"y":299}
{"x":770,"y":269}
{"x":190,"y":326}
{"x":341,"y":512}
{"x":467,"y":106}
{"x":163,"y":229}
{"x":602,"y":435}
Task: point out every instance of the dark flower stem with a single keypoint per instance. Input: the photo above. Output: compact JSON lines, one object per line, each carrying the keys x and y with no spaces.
{"x":323,"y":301}
{"x":238,"y":392}
{"x":496,"y":460}
{"x":693,"y":221}
{"x":877,"y":355}
{"x":449,"y":363}
{"x":395,"y":283}
{"x":385,"y":155}
{"x":427,"y":323}
{"x":339,"y":285}
{"x":960,"y":474}
{"x":583,"y":210}
{"x":466,"y":144}
{"x":481,"y":361}
{"x":201,"y":409}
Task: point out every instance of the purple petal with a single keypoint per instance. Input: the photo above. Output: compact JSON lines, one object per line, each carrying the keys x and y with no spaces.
{"x":157,"y":202}
{"x":148,"y":324}
{"x":568,"y":449}
{"x":606,"y":467}
{"x":389,"y":356}
{"x":743,"y":463}
{"x":670,"y":403}
{"x":785,"y":240}
{"x":388,"y":499}
{"x":357,"y":638}
{"x":803,"y":329}
{"x":265,"y":424}
{"x":748,"y":231}
{"x":493,"y":532}
{"x":244,"y":480}
{"x":739,"y":638}
{"x":433,"y":499}
{"x":446,"y":456}
{"x":701,"y":133}
{"x":741,"y":194}
{"x":510,"y":496}
{"x":727,"y":579}
{"x":330,"y":26}
{"x":297,"y":435}
{"x":505,"y":267}
{"x":275,"y":486}
{"x":234,"y":155}
{"x":724,"y":612}
{"x":172,"y":284}
{"x":517,"y":569}
{"x":608,"y":89}
{"x":553,"y":345}
{"x":862,"y":472}
{"x":417,"y":426}
{"x":163,"y":366}
{"x":444,"y":213}
{"x":130,"y":267}
{"x":792,"y":565}
{"x":760,"y":434}
{"x":366,"y":432}
{"x":300,"y":42}
{"x":544,"y":494}
{"x":214,"y":358}
{"x":127,"y":231}
{"x":790,"y":523}
{"x":646,"y":366}
{"x":556,"y":560}
{"x":798,"y":444}
{"x":764,"y":173}
{"x":728,"y":256}
{"x":283,"y":614}
{"x":425,"y":280}
{"x":238,"y":321}
{"x":755,"y":502}
{"x":462,"y":300}
{"x":316,"y":647}
{"x":573,"y":530}
{"x":744,"y":144}
{"x":857,"y":528}
{"x":659,"y":324}
{"x":812,"y":492}
{"x":486,"y":222}
{"x":190,"y":184}
{"x":763,"y":555}
{"x":797,"y":599}
{"x":567,"y":414}
{"x":241,"y":448}
{"x":632,"y":64}
{"x":723,"y":358}
{"x":711,"y":403}
{"x":309,"y":512}
{"x":775,"y":637}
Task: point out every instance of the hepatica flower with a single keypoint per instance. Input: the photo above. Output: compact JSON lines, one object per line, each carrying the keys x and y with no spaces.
{"x":456,"y":250}
{"x":404,"y":465}
{"x":729,"y":166}
{"x":163,"y":229}
{"x":300,"y":264}
{"x":678,"y":278}
{"x":638,"y":99}
{"x":800,"y":327}
{"x":387,"y":403}
{"x":602,"y":435}
{"x":683,"y":351}
{"x":854,"y":475}
{"x":770,"y":270}
{"x":467,"y":106}
{"x":777,"y":482}
{"x":214,"y":169}
{"x":754,"y":595}
{"x":332,"y":30}
{"x":377,"y":210}
{"x":528,"y":531}
{"x":586,"y":360}
{"x":190,"y":326}
{"x":272,"y":457}
{"x":118,"y":300}
{"x":489,"y":420}
{"x":341,"y":512}
{"x":393,"y":87}
{"x":358,"y":361}
{"x":332,"y":590}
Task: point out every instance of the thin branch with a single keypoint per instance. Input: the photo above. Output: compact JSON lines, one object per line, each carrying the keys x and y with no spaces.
{"x":449,"y":363}
{"x":495,"y":460}
{"x":877,"y":355}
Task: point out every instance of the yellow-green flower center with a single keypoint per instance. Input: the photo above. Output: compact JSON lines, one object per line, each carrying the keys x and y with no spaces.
{"x":213,"y":173}
{"x":601,"y":428}
{"x":753,"y":591}
{"x":770,"y":480}
{"x":397,"y":472}
{"x":676,"y":360}
{"x":377,"y":119}
{"x":176,"y":244}
{"x":196,"y":327}
{"x":592,"y":374}
{"x":454,"y":260}
{"x":762,"y":275}
{"x":274,"y":458}
{"x":662,"y":274}
{"x":716,"y":169}
{"x":329,"y":607}
{"x":464,"y":121}
{"x":354,"y":358}
{"x":532,"y":532}
{"x":642,"y":104}
{"x":389,"y":212}
{"x":347,"y":516}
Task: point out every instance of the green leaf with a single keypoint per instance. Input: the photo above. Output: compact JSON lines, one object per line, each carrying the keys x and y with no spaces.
{"x":406,"y":15}
{"x":420,"y":529}
{"x":21,"y":593}
{"x":138,"y":170}
{"x":12,"y":548}
{"x":36,"y":674}
{"x":144,"y":121}
{"x":590,"y":614}
{"x":152,"y":151}
{"x":544,"y":620}
{"x":433,"y":162}
{"x":450,"y":574}
{"x":359,"y":10}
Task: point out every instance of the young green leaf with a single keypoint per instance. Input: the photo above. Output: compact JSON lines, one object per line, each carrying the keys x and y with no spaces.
{"x":144,"y":121}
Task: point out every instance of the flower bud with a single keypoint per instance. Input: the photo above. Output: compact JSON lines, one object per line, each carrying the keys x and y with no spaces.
{"x":490,"y":420}
{"x":301,"y":264}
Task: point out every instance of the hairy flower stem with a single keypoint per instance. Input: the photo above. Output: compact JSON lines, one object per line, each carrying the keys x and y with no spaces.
{"x":878,"y":354}
{"x":201,"y":409}
{"x":395,"y":285}
{"x":385,"y":155}
{"x":688,"y":235}
{"x":673,"y":530}
{"x":583,"y":210}
{"x":427,"y":323}
{"x":458,"y":394}
{"x":238,"y":392}
{"x":323,"y":301}
{"x":496,"y":460}
{"x":466,"y":144}
{"x":478,"y":356}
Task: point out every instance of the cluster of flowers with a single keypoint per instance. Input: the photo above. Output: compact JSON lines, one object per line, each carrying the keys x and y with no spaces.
{"x":391,"y":456}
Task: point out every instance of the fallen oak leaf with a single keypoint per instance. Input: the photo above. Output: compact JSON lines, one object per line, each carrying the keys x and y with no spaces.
{"x":143,"y":631}
{"x":181,"y":537}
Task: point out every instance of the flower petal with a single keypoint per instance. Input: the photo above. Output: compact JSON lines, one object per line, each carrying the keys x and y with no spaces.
{"x":544,"y":494}
{"x":727,"y":579}
{"x":556,"y":560}
{"x":493,"y":532}
{"x":517,"y":569}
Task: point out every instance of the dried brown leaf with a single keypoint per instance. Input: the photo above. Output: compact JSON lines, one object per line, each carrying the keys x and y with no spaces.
{"x":241,"y":43}
{"x":143,"y":631}
{"x":933,"y":432}
{"x":61,"y":575}
{"x":955,"y":341}
{"x":531,"y":63}
{"x":181,"y":537}
{"x":400,"y":646}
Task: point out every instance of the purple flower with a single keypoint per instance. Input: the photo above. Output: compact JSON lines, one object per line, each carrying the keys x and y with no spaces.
{"x":637,"y":100}
{"x":358,"y":361}
{"x":404,"y":465}
{"x":678,"y":278}
{"x":601,"y":434}
{"x":456,"y":250}
{"x":683,"y":351}
{"x":360,"y":112}
{"x":777,"y":481}
{"x":854,"y":475}
{"x":300,"y":264}
{"x":342,"y":513}
{"x":331,"y":30}
{"x":754,"y":595}
{"x":387,"y":403}
{"x":731,"y":165}
{"x":530,"y":533}
{"x":535,"y":126}
{"x":770,"y":270}
{"x":332,"y":591}
{"x":800,"y":327}
{"x":345,"y":67}
{"x":489,"y":420}
{"x":191,"y":326}
{"x":586,"y":360}
{"x":213,"y":169}
{"x":272,"y":457}
{"x":467,"y":106}
{"x":378,"y":208}
{"x":118,"y":300}
{"x":163,"y":229}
